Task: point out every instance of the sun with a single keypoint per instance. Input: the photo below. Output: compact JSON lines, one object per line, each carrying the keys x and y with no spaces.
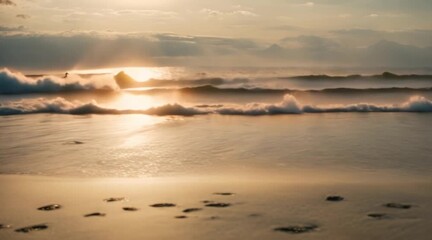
{"x":142,"y":74}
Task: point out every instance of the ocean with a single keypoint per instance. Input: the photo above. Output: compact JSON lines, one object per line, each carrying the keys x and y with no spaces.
{"x":89,"y":125}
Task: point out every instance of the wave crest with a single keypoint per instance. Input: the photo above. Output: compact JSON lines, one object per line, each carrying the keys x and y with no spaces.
{"x":17,"y":83}
{"x":62,"y":106}
{"x":289,"y":105}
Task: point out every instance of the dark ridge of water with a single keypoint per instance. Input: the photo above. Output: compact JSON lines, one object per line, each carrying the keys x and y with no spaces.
{"x":210,"y":89}
{"x":383,"y":76}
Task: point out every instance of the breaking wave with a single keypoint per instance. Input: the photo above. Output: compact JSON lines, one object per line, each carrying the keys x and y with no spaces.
{"x":62,"y":106}
{"x":17,"y":83}
{"x":289,"y":105}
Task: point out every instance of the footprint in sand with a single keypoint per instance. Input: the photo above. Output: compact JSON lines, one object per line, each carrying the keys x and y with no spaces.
{"x":296,"y":229}
{"x":189,"y":210}
{"x":50,"y":207}
{"x":75,"y":142}
{"x":162,"y":205}
{"x":334,"y":198}
{"x":218,"y":205}
{"x":114,"y":199}
{"x":95,"y":214}
{"x":130,"y":209}
{"x":181,"y":217}
{"x":254,"y":215}
{"x":223,"y":193}
{"x":398,"y":205}
{"x":28,"y":229}
{"x":378,"y":216}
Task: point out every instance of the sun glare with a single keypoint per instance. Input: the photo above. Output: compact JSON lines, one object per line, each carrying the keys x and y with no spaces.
{"x":142,"y":74}
{"x":139,"y":74}
{"x":134,"y":102}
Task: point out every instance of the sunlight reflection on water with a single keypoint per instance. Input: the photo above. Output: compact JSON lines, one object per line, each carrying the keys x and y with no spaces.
{"x":140,"y":145}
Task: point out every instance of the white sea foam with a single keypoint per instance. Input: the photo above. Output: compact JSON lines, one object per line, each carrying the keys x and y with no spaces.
{"x":62,"y":106}
{"x":289,"y":105}
{"x":17,"y":83}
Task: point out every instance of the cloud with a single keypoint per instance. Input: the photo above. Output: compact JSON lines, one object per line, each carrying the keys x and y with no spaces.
{"x":211,"y":12}
{"x":390,"y":5}
{"x":7,"y":2}
{"x":80,"y":15}
{"x":310,"y":42}
{"x":363,"y":37}
{"x":244,"y":13}
{"x":307,"y":4}
{"x":143,"y":12}
{"x":344,"y":15}
{"x":11,"y":29}
{"x":319,"y":51}
{"x":23,"y":16}
{"x":69,"y":50}
{"x":382,"y":5}
{"x":238,"y":12}
{"x":396,"y":54}
{"x":285,"y":28}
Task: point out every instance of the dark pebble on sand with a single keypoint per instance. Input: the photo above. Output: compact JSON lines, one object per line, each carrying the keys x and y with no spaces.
{"x":189,"y":210}
{"x":181,"y":217}
{"x":114,"y":199}
{"x":95,"y":214}
{"x":50,"y":207}
{"x":378,"y":215}
{"x":334,"y":198}
{"x":5,"y":226}
{"x":224,"y":193}
{"x":162,"y":205}
{"x":130,"y":209}
{"x":297,"y":229}
{"x":398,"y":205}
{"x":28,"y":229}
{"x":218,"y":205}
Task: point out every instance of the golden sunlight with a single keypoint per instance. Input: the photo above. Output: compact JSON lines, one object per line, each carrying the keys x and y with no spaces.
{"x":139,"y":74}
{"x":134,"y":102}
{"x":142,"y":74}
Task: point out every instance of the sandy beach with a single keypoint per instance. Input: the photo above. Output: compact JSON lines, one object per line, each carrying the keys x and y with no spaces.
{"x":244,"y":207}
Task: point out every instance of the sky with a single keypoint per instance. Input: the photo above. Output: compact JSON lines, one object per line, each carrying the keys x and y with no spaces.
{"x":65,"y":34}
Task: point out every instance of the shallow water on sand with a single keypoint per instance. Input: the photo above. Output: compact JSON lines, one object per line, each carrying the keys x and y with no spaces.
{"x":140,"y":145}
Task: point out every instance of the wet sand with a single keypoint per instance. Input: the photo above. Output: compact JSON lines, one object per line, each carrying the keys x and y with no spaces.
{"x":209,"y":207}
